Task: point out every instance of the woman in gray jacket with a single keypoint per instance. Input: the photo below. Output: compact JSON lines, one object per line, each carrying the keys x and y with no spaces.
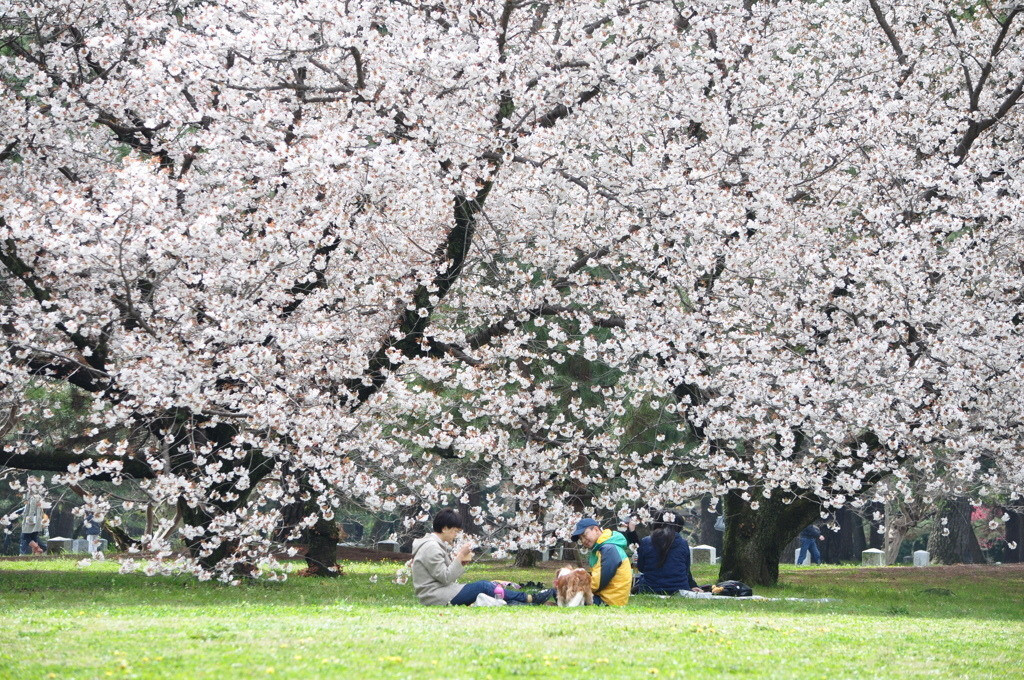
{"x":32,"y":519}
{"x":435,"y":569}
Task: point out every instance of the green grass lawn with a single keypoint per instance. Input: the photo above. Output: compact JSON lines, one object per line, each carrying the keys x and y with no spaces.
{"x":61,"y":621}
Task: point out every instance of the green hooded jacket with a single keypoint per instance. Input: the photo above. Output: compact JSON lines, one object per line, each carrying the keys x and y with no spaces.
{"x":611,"y":574}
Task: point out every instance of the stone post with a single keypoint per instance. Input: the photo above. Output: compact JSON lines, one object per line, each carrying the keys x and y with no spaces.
{"x":872,"y":557}
{"x":703,"y":554}
{"x":59,"y":544}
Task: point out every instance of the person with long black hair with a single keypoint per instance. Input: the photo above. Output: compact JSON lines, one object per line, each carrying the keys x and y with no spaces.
{"x":663,"y":558}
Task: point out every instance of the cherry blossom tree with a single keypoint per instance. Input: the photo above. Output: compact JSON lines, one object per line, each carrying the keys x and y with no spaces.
{"x":304,"y":252}
{"x":815,"y":274}
{"x":232,"y":223}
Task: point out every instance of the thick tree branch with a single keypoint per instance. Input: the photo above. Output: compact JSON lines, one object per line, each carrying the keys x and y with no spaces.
{"x":997,"y":47}
{"x":412,"y":324}
{"x":561,"y":111}
{"x":8,"y":150}
{"x":975,"y":128}
{"x":93,"y":353}
{"x":889,"y":33}
{"x":57,"y":458}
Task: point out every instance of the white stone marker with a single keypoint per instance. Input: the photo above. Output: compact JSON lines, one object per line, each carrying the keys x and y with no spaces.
{"x":81,"y":545}
{"x":872,"y":557}
{"x":59,"y":542}
{"x":922,"y":558}
{"x":796,"y":557}
{"x":703,"y":554}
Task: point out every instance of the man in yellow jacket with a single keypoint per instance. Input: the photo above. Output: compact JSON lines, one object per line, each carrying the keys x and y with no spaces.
{"x":611,"y":576}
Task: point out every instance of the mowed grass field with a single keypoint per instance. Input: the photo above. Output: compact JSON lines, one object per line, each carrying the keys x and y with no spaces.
{"x":61,"y":621}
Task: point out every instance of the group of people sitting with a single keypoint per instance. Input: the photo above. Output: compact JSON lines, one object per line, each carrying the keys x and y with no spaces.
{"x":662,"y":560}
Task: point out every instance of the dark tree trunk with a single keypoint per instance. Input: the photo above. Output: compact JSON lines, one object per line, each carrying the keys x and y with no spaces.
{"x":119,"y":536}
{"x":220,"y":436}
{"x":474,"y":497}
{"x":876,"y":540}
{"x":526,"y":559}
{"x":754,"y":539}
{"x":382,"y":528}
{"x":352,"y":530}
{"x":322,"y":553}
{"x":321,"y":539}
{"x":1015,"y":554}
{"x":974,"y":552}
{"x":291,"y":515}
{"x":62,"y":521}
{"x":572,"y":553}
{"x":199,"y":517}
{"x":122,"y":540}
{"x":960,"y":544}
{"x":846,"y":544}
{"x":150,"y":519}
{"x":706,"y":531}
{"x":858,"y":541}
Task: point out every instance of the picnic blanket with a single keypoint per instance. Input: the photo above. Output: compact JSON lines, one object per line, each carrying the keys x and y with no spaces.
{"x":708,"y":596}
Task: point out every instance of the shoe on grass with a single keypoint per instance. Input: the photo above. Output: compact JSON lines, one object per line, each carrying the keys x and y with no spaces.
{"x":542,"y":596}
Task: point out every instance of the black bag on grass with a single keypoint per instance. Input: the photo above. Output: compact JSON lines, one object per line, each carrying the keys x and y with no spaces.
{"x":732,"y":589}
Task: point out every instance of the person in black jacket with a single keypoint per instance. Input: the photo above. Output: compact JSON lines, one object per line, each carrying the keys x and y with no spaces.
{"x":663,"y":558}
{"x":807,"y":542}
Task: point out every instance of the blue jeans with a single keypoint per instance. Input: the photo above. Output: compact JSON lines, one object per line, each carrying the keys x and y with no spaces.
{"x":469,"y":592}
{"x":28,"y":538}
{"x":808,"y":544}
{"x":640,"y":586}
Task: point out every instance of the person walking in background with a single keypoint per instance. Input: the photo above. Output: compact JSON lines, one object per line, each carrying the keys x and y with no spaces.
{"x":32,"y":519}
{"x":663,"y":558}
{"x":808,"y":541}
{"x":92,"y":529}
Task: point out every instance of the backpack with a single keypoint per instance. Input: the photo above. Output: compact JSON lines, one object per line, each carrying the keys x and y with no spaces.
{"x":732,"y":589}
